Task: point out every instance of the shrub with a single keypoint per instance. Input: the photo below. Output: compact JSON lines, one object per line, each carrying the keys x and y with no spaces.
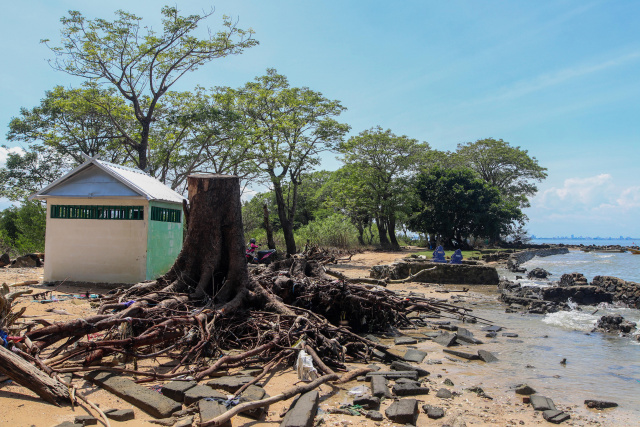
{"x":333,"y":231}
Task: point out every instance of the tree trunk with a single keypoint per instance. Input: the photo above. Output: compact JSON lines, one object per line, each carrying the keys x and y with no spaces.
{"x":285,"y":222}
{"x":382,"y":232}
{"x":267,"y":226}
{"x":27,"y":375}
{"x":212,"y":261}
{"x":391,"y":229}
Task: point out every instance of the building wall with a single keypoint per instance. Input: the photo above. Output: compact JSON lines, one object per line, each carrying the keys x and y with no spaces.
{"x":96,"y":250}
{"x":164,"y":242}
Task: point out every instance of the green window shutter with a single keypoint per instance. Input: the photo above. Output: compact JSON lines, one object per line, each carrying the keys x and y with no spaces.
{"x":165,"y":214}
{"x":97,"y":212}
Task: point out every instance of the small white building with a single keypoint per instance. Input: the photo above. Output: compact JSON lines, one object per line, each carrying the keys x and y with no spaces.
{"x":110,"y":224}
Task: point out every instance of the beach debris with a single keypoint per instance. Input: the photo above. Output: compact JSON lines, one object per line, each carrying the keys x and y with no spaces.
{"x":541,"y":403}
{"x":487,"y":356}
{"x":555,"y":416}
{"x":599,"y":404}
{"x":524,"y":390}
{"x":403,"y":411}
{"x":433,"y":412}
{"x":444,"y":393}
{"x":302,"y":411}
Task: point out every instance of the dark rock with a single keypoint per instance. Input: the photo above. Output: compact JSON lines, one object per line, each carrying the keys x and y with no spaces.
{"x":69,"y":424}
{"x":487,"y":356}
{"x":405,"y":341}
{"x":404,"y":411}
{"x":446,"y":339}
{"x":614,"y":323}
{"x":448,"y":382}
{"x":121,"y":415}
{"x":433,"y":412}
{"x":409,"y":389}
{"x":391,"y":375}
{"x":251,"y":394}
{"x":209,"y":409}
{"x":541,"y":403}
{"x":24,"y":262}
{"x":599,"y":404}
{"x":372,"y":338}
{"x":573,"y":279}
{"x":579,"y":294}
{"x":367,"y":402}
{"x":377,"y":354}
{"x":149,"y":401}
{"x":184,"y":422}
{"x":525,"y":390}
{"x":492,"y":328}
{"x":229,"y":384}
{"x":404,"y":366}
{"x":250,"y":372}
{"x":510,"y":335}
{"x":491,"y":334}
{"x":448,"y":327}
{"x":374,"y":415}
{"x":85,"y":420}
{"x":4,"y":260}
{"x":302,"y":411}
{"x":379,"y":386}
{"x":413,"y":355}
{"x":175,"y":389}
{"x":538,"y":273}
{"x":198,"y":392}
{"x":555,"y":416}
{"x":462,"y":354}
{"x":444,"y":393}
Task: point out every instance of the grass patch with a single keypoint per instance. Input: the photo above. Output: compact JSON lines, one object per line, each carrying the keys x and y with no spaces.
{"x":447,"y":254}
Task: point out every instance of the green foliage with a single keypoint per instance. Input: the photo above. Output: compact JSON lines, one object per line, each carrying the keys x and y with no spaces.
{"x":22,"y":229}
{"x":455,"y":204}
{"x":333,"y":231}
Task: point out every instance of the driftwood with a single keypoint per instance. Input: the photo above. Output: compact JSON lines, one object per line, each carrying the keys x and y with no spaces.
{"x":414,"y":277}
{"x":344,"y":278}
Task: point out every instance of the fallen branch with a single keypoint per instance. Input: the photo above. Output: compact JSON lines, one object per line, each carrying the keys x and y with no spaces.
{"x":413,"y":277}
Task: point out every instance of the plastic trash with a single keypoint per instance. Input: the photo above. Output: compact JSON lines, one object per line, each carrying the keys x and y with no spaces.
{"x":360,"y":390}
{"x":304,"y":367}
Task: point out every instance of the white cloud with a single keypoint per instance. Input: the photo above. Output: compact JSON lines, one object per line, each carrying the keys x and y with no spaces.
{"x":4,"y":153}
{"x":578,"y":193}
{"x":629,"y":198}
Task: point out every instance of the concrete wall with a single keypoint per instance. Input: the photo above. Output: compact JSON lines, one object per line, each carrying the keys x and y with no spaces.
{"x":96,"y":250}
{"x":164,"y":242}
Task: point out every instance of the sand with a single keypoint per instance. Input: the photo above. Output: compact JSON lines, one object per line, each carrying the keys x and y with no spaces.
{"x":21,"y":407}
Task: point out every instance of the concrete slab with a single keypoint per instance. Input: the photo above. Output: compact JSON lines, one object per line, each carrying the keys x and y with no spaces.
{"x":404,"y":411}
{"x":303,"y":411}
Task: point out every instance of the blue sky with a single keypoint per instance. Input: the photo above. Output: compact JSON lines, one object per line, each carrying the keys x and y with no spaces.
{"x":560,"y":79}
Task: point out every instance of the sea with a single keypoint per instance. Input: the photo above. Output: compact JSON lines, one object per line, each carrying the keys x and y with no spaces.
{"x":598,"y":366}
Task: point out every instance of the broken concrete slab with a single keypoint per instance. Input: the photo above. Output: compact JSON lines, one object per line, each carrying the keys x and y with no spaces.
{"x":374,"y":415}
{"x":555,"y":416}
{"x":69,"y":424}
{"x":184,"y":422}
{"x":411,"y":388}
{"x":198,"y":392}
{"x":492,"y":328}
{"x":404,"y":366}
{"x":149,"y":401}
{"x":433,"y":412}
{"x":462,"y":354}
{"x":405,"y":341}
{"x":229,"y":384}
{"x":302,"y":411}
{"x":413,"y":355}
{"x":446,"y":339}
{"x":85,"y":420}
{"x":176,"y":389}
{"x":448,"y":327}
{"x":209,"y":409}
{"x":404,"y":411}
{"x":510,"y":335}
{"x":121,"y":415}
{"x":541,"y":403}
{"x":251,"y":394}
{"x":392,"y":375}
{"x":379,"y":386}
{"x":487,"y":356}
{"x":367,"y":401}
{"x":377,"y":354}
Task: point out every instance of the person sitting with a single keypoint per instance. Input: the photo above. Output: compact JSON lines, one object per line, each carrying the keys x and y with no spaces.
{"x":438,"y":255}
{"x":456,"y":258}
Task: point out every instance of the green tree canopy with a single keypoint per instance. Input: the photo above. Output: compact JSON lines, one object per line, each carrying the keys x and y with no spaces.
{"x":509,"y":169}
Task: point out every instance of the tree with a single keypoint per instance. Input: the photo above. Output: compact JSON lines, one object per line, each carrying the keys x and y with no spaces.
{"x":22,"y":228}
{"x":456,"y":204}
{"x":139,"y":63}
{"x":509,"y":169}
{"x":380,"y":163}
{"x":288,"y":128}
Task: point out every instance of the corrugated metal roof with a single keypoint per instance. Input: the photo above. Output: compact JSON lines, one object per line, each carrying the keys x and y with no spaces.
{"x":139,"y":182}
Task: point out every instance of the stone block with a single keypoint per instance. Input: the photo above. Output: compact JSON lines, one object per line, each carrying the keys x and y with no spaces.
{"x":251,"y":394}
{"x":404,"y":411}
{"x":555,"y":416}
{"x":404,"y":366}
{"x":379,"y":386}
{"x":176,"y":389}
{"x":392,"y":375}
{"x":121,"y":415}
{"x":462,"y":354}
{"x":487,"y":356}
{"x":209,"y":409}
{"x":541,"y":403}
{"x":409,"y":389}
{"x":85,"y":420}
{"x":433,"y":412}
{"x":229,"y":384}
{"x":446,"y":339}
{"x":405,"y":341}
{"x":198,"y":392}
{"x":367,"y":401}
{"x":303,"y":411}
{"x":444,"y":393}
{"x":413,"y":355}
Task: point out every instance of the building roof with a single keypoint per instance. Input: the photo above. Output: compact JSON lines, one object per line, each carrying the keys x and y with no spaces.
{"x":97,"y":178}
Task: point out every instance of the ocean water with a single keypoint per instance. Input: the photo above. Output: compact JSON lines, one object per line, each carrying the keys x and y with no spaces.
{"x":599,"y":366}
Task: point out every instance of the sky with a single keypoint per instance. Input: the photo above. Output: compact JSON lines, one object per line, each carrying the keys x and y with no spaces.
{"x":560,"y":79}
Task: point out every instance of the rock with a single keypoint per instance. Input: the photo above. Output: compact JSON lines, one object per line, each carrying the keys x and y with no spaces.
{"x":599,"y":404}
{"x":374,"y":415}
{"x":491,"y":334}
{"x":538,"y":273}
{"x":367,"y":401}
{"x":391,"y":375}
{"x":377,"y":354}
{"x":229,"y":384}
{"x":487,"y":356}
{"x":462,"y":354}
{"x":614,"y":323}
{"x":525,"y":390}
{"x":413,"y":355}
{"x":149,"y":401}
{"x":541,"y":403}
{"x":467,"y":336}
{"x":209,"y":409}
{"x":403,"y":366}
{"x":510,"y":335}
{"x":251,"y":394}
{"x":555,"y":416}
{"x":198,"y":392}
{"x":4,"y":260}
{"x":404,"y":411}
{"x":69,"y":424}
{"x":449,"y":327}
{"x":24,"y":262}
{"x":176,"y":389}
{"x":433,"y":412}
{"x":446,"y":339}
{"x":444,"y":393}
{"x":448,"y":382}
{"x":302,"y":411}
{"x":184,"y":422}
{"x":121,"y":415}
{"x":85,"y":420}
{"x":250,"y":372}
{"x":430,"y":272}
{"x":492,"y":328}
{"x":379,"y":386}
{"x":405,"y":341}
{"x":573,"y":279}
{"x":372,"y":338}
{"x":409,"y":389}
